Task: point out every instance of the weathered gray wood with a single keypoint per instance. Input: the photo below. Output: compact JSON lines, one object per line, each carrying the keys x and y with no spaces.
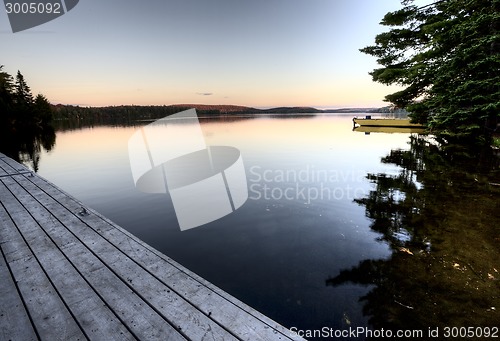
{"x":14,"y":319}
{"x":15,"y":165}
{"x":88,"y":308}
{"x":50,"y":316}
{"x":240,"y":319}
{"x":247,"y":323}
{"x":176,"y":309}
{"x":11,"y":167}
{"x":109,"y":283}
{"x":4,"y":167}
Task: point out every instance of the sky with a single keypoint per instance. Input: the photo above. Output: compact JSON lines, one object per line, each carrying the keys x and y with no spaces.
{"x":258,"y":53}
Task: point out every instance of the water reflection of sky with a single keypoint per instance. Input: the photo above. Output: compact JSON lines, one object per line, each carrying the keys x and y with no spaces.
{"x":276,"y":251}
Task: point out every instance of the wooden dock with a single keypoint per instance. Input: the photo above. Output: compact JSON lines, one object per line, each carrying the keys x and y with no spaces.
{"x":68,"y":273}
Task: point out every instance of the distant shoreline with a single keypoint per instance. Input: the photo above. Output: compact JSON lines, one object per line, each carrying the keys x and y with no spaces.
{"x":221,"y":109}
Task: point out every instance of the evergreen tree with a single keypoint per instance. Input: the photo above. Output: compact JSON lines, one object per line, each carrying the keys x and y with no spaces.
{"x":6,"y":100}
{"x":42,"y":110}
{"x":6,"y":85}
{"x":25,"y":122}
{"x":23,"y":94}
{"x":446,"y":56}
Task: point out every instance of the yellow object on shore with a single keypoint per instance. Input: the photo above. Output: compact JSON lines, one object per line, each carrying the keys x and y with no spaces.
{"x":389,"y":130}
{"x":385,"y":122}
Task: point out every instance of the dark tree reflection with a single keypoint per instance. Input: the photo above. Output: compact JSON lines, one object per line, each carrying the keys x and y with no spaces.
{"x":26,"y":145}
{"x":25,"y":121}
{"x":441,"y":217}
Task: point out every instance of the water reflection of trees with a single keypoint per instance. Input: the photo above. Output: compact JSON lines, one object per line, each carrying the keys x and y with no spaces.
{"x":25,"y":120}
{"x":441,"y":217}
{"x":26,"y":145}
{"x":76,"y":123}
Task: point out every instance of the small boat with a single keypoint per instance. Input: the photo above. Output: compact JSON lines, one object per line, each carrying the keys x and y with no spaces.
{"x":384,"y":122}
{"x":389,"y":130}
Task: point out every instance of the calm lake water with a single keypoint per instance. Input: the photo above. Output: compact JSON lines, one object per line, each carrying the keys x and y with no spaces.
{"x":293,"y":249}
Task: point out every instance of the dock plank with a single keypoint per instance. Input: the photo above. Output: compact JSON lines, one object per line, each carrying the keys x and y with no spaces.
{"x":81,"y":300}
{"x":43,"y":304}
{"x":107,"y":283}
{"x":11,"y":167}
{"x":15,"y":322}
{"x":143,"y":321}
{"x":193,"y":323}
{"x":239,"y":318}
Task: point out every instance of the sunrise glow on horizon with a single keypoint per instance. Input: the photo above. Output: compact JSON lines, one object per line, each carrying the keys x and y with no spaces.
{"x":259,"y":54}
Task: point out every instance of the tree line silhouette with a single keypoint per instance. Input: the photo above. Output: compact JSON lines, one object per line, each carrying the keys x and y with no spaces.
{"x":25,"y":120}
